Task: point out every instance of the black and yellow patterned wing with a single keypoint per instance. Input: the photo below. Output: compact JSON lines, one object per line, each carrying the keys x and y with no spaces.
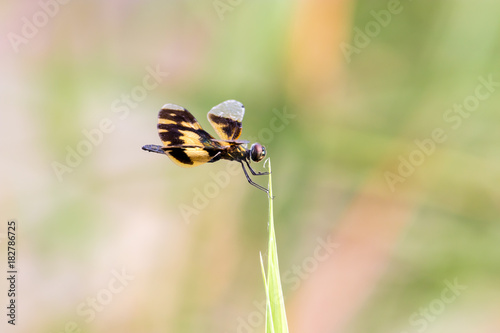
{"x":184,"y":141}
{"x":226,"y":119}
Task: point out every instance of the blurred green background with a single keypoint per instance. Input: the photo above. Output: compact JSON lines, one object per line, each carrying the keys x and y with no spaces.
{"x":347,"y":96}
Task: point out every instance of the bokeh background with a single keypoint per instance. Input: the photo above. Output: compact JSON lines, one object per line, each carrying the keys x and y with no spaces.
{"x":412,"y":248}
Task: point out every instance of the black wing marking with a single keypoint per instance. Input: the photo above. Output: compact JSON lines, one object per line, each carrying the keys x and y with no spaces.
{"x":176,"y":126}
{"x":226,"y":119}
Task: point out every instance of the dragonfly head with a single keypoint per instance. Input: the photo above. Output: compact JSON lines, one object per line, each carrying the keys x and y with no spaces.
{"x":257,"y":152}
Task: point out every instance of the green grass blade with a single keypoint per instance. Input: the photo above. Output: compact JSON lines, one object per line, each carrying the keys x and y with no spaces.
{"x":275,"y":306}
{"x":269,"y":318}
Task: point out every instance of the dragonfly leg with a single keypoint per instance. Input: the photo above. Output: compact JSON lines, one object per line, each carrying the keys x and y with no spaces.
{"x":254,"y":172}
{"x":251,"y":182}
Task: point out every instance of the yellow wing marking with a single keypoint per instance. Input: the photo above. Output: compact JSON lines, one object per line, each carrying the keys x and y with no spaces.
{"x":196,"y":155}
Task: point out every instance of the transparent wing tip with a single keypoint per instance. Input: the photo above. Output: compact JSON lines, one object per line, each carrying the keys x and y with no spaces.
{"x":229,"y":109}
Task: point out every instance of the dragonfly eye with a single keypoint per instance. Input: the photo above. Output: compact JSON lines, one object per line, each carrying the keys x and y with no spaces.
{"x":257,"y":152}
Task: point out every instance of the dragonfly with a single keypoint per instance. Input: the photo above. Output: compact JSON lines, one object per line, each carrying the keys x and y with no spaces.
{"x":187,"y":144}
